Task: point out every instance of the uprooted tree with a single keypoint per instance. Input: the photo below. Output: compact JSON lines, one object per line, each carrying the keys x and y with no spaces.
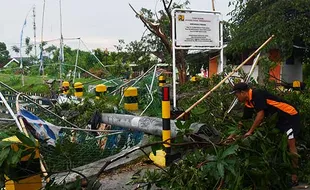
{"x":160,"y":26}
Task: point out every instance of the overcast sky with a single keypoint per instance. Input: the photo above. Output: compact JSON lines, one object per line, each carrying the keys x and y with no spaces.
{"x":99,"y":23}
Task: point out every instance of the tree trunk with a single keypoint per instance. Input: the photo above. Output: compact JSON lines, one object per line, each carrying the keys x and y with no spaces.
{"x":181,"y":66}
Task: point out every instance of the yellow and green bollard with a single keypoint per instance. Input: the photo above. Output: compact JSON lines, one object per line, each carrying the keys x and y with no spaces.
{"x":78,"y":86}
{"x":100,"y":89}
{"x":131,"y":99}
{"x":65,"y":87}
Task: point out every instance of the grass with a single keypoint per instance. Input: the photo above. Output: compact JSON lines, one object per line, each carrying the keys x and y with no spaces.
{"x":37,"y":83}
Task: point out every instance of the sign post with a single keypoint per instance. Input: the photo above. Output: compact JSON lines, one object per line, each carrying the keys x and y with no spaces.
{"x":195,"y":29}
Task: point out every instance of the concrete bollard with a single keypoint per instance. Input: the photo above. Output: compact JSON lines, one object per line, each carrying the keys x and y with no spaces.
{"x":100,"y":89}
{"x":161,"y":80}
{"x":78,"y":86}
{"x":65,"y":87}
{"x":131,"y":98}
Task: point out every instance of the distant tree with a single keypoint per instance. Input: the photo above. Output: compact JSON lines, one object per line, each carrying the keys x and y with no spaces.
{"x":29,"y":47}
{"x":50,"y":50}
{"x":4,"y":53}
{"x":16,"y":50}
{"x":253,"y":21}
{"x":140,"y":53}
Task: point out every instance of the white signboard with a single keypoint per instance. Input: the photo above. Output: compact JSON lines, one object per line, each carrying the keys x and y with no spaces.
{"x":197,"y":29}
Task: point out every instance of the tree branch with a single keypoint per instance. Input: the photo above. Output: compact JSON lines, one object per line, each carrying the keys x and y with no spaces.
{"x":170,"y":3}
{"x":155,"y":29}
{"x":167,"y":10}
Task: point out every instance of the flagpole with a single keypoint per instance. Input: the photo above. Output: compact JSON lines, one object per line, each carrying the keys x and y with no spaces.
{"x":21,"y":46}
{"x":41,"y":69}
{"x":61,"y":43}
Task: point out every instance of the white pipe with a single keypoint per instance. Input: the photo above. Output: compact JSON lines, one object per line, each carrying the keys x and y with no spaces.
{"x":174,"y":86}
{"x":61,"y":43}
{"x":152,"y":99}
{"x":120,"y":102}
{"x":222,"y":47}
{"x":84,"y":71}
{"x":11,"y":112}
{"x":76,"y":60}
{"x":41,"y":58}
{"x":93,"y":54}
{"x":235,"y":101}
{"x":154,"y":74}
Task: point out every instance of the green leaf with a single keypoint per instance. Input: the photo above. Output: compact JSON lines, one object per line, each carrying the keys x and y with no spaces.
{"x":25,"y":140}
{"x":4,"y":154}
{"x":231,"y":169}
{"x":4,"y":144}
{"x":3,"y":135}
{"x":183,"y":125}
{"x":156,"y":147}
{"x":220,"y":169}
{"x":229,"y":151}
{"x":14,"y":156}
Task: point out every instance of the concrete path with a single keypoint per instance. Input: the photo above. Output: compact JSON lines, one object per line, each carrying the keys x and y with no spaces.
{"x":119,"y":179}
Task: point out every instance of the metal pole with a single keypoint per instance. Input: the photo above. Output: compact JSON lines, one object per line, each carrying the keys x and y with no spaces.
{"x":85,"y":71}
{"x":41,"y":53}
{"x":32,"y":101}
{"x":235,"y":101}
{"x":92,"y":53}
{"x":11,"y":112}
{"x":173,"y":61}
{"x":151,"y":87}
{"x":222,"y":47}
{"x":61,"y":43}
{"x":76,"y":60}
{"x":35,"y":33}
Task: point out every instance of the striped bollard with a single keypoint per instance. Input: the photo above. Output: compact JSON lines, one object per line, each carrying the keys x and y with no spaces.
{"x":100,"y":89}
{"x":78,"y":86}
{"x":131,"y":98}
{"x":166,"y":133}
{"x":162,"y":157}
{"x":161,"y":80}
{"x":65,"y":87}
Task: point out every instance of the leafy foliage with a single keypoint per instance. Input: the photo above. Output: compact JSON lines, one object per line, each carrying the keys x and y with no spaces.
{"x":254,"y":21}
{"x":247,"y":163}
{"x":11,"y":154}
{"x":4,"y":53}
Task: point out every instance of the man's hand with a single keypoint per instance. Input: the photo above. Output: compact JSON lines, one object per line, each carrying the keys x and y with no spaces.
{"x":249,"y":133}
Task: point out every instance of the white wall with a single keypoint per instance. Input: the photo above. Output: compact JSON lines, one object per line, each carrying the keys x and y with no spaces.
{"x":247,"y":68}
{"x":292,"y":72}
